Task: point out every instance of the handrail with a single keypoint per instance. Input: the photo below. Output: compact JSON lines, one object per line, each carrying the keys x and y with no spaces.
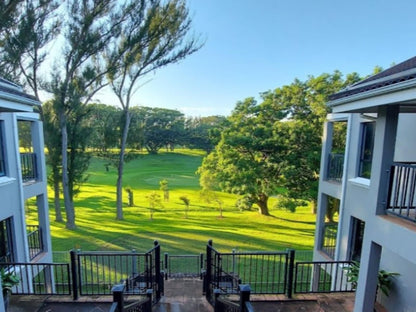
{"x":401,"y":196}
{"x":28,"y":166}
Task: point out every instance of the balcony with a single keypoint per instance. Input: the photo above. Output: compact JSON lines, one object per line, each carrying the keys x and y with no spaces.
{"x":34,"y":238}
{"x":401,"y":199}
{"x":329,"y":241}
{"x":335,"y":167}
{"x":29,"y":168}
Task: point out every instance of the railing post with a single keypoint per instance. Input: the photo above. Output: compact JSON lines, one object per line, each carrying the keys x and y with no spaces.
{"x":217,"y":293}
{"x":166,"y":265}
{"x":208,"y":272}
{"x":149,"y":294}
{"x":74,"y":271}
{"x":201,"y":264}
{"x":244,"y":296}
{"x":290,"y":273}
{"x":118,"y":296}
{"x":158,"y":276}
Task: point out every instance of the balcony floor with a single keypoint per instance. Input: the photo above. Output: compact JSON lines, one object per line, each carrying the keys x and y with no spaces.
{"x":176,"y":300}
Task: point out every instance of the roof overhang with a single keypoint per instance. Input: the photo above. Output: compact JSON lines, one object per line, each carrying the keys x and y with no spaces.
{"x":402,"y":94}
{"x":12,"y":98}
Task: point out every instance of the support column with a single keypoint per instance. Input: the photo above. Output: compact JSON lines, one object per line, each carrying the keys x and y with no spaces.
{"x":367,"y":281}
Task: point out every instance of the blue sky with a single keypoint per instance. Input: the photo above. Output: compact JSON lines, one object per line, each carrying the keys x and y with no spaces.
{"x":252,"y":46}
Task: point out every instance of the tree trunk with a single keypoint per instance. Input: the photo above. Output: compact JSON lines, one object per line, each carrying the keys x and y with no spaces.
{"x":58,"y":213}
{"x":119,"y":203}
{"x":69,"y":206}
{"x":262,"y":203}
{"x":313,"y":207}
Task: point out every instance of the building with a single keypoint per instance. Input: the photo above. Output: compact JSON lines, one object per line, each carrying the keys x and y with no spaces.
{"x":367,"y":198}
{"x":24,"y":219}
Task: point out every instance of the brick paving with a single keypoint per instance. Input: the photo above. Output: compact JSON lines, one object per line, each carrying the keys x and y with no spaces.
{"x":185,"y":295}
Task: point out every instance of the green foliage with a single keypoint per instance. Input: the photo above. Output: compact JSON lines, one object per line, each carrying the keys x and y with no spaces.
{"x":165,"y":188}
{"x":289,"y":204}
{"x":204,"y":132}
{"x":154,"y":202}
{"x":244,"y":203}
{"x":104,"y":123}
{"x":275,"y":143}
{"x":384,"y":278}
{"x":186,"y":202}
{"x":8,"y":280}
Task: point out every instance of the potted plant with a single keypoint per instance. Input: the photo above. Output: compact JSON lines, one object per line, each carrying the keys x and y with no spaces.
{"x":8,"y":281}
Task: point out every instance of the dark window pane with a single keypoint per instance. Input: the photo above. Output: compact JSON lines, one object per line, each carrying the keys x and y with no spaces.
{"x":6,"y":251}
{"x":357,"y":239}
{"x":2,"y":165}
{"x":366,"y":155}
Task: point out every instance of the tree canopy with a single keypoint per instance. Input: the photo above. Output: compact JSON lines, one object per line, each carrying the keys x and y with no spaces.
{"x":274,"y":144}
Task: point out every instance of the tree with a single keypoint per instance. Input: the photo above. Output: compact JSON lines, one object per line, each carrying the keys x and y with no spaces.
{"x":24,"y":44}
{"x":204,"y":132}
{"x":275,"y":144}
{"x":162,"y":128}
{"x":9,"y":14}
{"x":103,"y":122}
{"x":304,"y":107}
{"x":53,"y":159}
{"x":244,"y":161}
{"x":165,"y":188}
{"x":153,"y":35}
{"x":186,"y":201}
{"x":154,"y":201}
{"x":88,"y":28}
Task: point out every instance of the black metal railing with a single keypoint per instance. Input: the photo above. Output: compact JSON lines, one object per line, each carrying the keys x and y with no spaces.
{"x":329,"y":241}
{"x":321,"y":277}
{"x":270,"y":273}
{"x":35,"y":242}
{"x":222,"y":304}
{"x":401,"y":199}
{"x":180,"y":266}
{"x":95,"y":273}
{"x":28,"y":166}
{"x":99,"y":271}
{"x":335,"y":167}
{"x":120,"y":303}
{"x":40,"y":278}
{"x":265,"y":272}
{"x":155,"y":274}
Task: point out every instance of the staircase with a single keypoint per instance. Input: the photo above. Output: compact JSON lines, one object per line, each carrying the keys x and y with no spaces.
{"x":183,"y":295}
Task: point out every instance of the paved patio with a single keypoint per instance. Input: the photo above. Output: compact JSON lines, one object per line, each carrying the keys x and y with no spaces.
{"x":185,"y":295}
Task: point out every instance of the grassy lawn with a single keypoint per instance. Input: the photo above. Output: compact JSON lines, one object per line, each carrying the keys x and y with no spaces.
{"x":97,"y":228}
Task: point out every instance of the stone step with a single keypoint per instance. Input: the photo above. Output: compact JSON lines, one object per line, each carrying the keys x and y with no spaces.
{"x":183,"y":295}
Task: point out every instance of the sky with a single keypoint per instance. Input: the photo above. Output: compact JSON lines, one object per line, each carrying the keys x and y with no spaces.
{"x":253,"y":46}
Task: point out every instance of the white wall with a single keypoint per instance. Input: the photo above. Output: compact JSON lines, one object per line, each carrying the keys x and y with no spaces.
{"x":405,"y":150}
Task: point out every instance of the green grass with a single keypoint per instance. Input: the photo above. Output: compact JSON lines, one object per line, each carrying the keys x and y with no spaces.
{"x":97,"y":228}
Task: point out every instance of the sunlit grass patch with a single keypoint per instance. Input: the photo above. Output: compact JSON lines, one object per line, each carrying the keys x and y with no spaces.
{"x":178,"y":232}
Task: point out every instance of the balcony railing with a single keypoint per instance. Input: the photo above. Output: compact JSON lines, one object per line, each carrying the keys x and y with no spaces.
{"x":401,"y":199}
{"x":28,"y":165}
{"x":34,"y":238}
{"x":335,"y":167}
{"x":330,"y":239}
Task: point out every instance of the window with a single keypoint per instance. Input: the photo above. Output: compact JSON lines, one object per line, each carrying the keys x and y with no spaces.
{"x":6,"y":243}
{"x":2,"y":163}
{"x":357,"y":236}
{"x":366,"y":153}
